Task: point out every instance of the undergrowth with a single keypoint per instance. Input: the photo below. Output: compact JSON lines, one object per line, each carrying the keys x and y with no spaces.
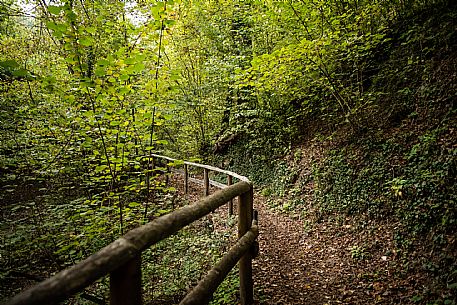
{"x":71,"y":230}
{"x":399,"y":163}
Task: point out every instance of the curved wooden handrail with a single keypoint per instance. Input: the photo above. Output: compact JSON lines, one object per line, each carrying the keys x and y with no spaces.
{"x":205,"y":288}
{"x":122,"y":258}
{"x":204,"y":166}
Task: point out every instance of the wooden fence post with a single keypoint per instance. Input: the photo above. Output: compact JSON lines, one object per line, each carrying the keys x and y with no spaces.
{"x":230,"y":208}
{"x":125,"y":283}
{"x":206,"y":181}
{"x":245,"y":207}
{"x":186,"y":179}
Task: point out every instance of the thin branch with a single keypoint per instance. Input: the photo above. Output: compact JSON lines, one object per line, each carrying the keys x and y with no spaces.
{"x":300,"y":20}
{"x":101,"y":136}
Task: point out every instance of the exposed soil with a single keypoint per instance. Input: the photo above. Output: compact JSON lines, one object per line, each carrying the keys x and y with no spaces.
{"x":328,"y":264}
{"x":337,"y":261}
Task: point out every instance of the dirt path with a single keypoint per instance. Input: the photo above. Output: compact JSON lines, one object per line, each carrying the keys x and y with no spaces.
{"x":318,"y":266}
{"x":328,"y":263}
{"x":280,"y":269}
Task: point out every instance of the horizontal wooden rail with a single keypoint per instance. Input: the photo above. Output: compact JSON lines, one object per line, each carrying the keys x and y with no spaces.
{"x":202,"y":293}
{"x":245,"y":215}
{"x":200,"y":181}
{"x":206,"y":182}
{"x":124,"y":250}
{"x":203,"y":166}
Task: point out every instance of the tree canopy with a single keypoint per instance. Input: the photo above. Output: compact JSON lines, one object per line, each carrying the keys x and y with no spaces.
{"x":90,"y":89}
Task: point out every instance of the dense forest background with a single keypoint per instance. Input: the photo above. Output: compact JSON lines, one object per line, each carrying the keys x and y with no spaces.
{"x":340,"y":111}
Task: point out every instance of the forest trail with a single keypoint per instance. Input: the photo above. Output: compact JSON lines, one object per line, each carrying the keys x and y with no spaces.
{"x":295,"y":266}
{"x":280,"y":269}
{"x":326,"y":263}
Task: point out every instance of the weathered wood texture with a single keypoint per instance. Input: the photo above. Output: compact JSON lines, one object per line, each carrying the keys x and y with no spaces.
{"x":202,"y":293}
{"x":245,"y":213}
{"x":125,"y":283}
{"x":122,"y":250}
{"x":198,"y":181}
{"x":206,"y":181}
{"x":208,"y":167}
{"x":186,"y":179}
{"x":230,"y":207}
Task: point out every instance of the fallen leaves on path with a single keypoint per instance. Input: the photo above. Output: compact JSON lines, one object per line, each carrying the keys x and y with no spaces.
{"x":329,"y":264}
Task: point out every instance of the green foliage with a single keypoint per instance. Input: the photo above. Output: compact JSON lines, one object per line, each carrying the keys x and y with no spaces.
{"x":174,"y":265}
{"x":90,"y":88}
{"x":382,"y":92}
{"x":81,"y":110}
{"x":359,"y":253}
{"x":420,"y":193}
{"x":306,"y":72}
{"x":227,"y":291}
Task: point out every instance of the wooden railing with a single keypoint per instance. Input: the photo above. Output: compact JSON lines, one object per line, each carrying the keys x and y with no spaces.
{"x":122,"y":258}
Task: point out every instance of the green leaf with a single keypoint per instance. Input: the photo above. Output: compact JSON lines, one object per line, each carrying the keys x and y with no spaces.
{"x":51,"y":25}
{"x":70,"y":98}
{"x":169,"y":22}
{"x":174,"y":76}
{"x":140,"y":57}
{"x":100,"y":168}
{"x":139,"y":67}
{"x":124,"y":90}
{"x":9,"y":64}
{"x":91,"y":30}
{"x":85,"y":41}
{"x":55,"y":10}
{"x":100,"y":71}
{"x":130,"y":61}
{"x":114,"y":123}
{"x":61,"y":27}
{"x":124,"y":77}
{"x":20,"y":73}
{"x":103,"y":62}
